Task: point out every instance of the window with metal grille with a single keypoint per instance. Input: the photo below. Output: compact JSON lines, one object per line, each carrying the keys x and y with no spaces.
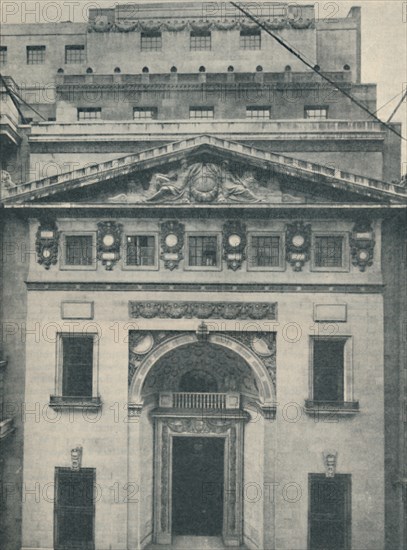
{"x":3,"y":55}
{"x":35,"y":55}
{"x":74,"y":54}
{"x":328,"y":369}
{"x":203,"y":251}
{"x":144,"y":113}
{"x":330,"y":512}
{"x":79,"y":250}
{"x":141,"y":250}
{"x":89,"y":113}
{"x":201,"y":112}
{"x":258,"y":112}
{"x":151,"y":41}
{"x":328,"y":251}
{"x":199,"y":41}
{"x":265,"y":251}
{"x":74,"y":509}
{"x":77,"y":365}
{"x":316,"y":113}
{"x":250,"y":39}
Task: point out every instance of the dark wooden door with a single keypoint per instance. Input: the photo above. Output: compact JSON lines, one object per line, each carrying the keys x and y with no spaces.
{"x":197,"y":486}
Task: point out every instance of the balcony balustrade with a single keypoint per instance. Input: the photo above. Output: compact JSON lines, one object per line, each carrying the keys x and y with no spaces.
{"x":199,"y":400}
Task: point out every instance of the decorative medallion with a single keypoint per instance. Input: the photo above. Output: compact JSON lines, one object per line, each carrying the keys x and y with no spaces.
{"x":234,"y":243}
{"x":172,"y":243}
{"x":362,"y":244}
{"x":47,"y":240}
{"x":108,"y":243}
{"x":298,"y":244}
{"x":142,"y":343}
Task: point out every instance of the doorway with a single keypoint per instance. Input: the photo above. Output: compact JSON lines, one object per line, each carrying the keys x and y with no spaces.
{"x":197,"y":485}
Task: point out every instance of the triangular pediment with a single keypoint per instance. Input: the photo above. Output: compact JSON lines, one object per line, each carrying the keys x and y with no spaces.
{"x":204,"y":171}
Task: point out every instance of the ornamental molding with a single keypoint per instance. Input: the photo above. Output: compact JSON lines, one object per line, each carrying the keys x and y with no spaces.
{"x":47,"y":243}
{"x":362,"y":243}
{"x":172,"y":243}
{"x":108,"y":243}
{"x":234,"y":244}
{"x":298,"y":244}
{"x":202,"y":310}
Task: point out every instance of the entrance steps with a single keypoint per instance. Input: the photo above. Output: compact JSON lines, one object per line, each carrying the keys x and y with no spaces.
{"x":193,"y":543}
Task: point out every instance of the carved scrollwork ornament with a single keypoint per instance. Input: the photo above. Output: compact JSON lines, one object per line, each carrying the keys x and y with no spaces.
{"x":76,"y":458}
{"x":46,"y":244}
{"x":330,"y":462}
{"x":298,"y":244}
{"x":172,"y":243}
{"x":108,"y":243}
{"x":362,"y":244}
{"x":234,"y":244}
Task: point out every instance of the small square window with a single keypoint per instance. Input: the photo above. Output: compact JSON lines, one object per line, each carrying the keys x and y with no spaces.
{"x":141,"y":250}
{"x":201,"y":112}
{"x":74,"y":54}
{"x":203,"y":251}
{"x":144,"y":113}
{"x":258,"y":112}
{"x":265,"y":251}
{"x":328,"y":251}
{"x":199,"y":41}
{"x":89,"y":113}
{"x":316,"y":113}
{"x":79,"y":250}
{"x":3,"y":55}
{"x":35,"y":55}
{"x":250,"y":39}
{"x":151,"y":41}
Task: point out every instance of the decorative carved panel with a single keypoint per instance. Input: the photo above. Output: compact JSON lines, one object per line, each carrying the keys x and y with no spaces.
{"x":234,"y":244}
{"x":47,"y":240}
{"x":108,"y":243}
{"x":172,"y":243}
{"x":362,"y":244}
{"x":298,"y":244}
{"x":203,"y":310}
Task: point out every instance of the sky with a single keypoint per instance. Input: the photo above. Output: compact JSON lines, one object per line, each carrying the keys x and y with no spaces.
{"x":384,"y":39}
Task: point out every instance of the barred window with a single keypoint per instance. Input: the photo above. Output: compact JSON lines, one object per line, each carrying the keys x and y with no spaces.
{"x":74,"y":54}
{"x":328,"y":251}
{"x":265,"y":251}
{"x":203,"y":251}
{"x":258,"y":112}
{"x":144,"y":113}
{"x":250,"y":39}
{"x":3,"y":55}
{"x":201,"y":112}
{"x":35,"y":55}
{"x":316,"y":113}
{"x":77,"y":365}
{"x":151,"y":41}
{"x":79,"y":250}
{"x":328,"y":370}
{"x":199,"y":41}
{"x":89,"y":113}
{"x":141,"y":250}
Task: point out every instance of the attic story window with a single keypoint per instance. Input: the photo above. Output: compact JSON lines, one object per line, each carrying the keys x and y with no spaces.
{"x":89,"y":113}
{"x":201,"y":112}
{"x":78,"y":250}
{"x":35,"y":55}
{"x":3,"y":55}
{"x":329,"y":251}
{"x":258,"y":111}
{"x":203,"y":251}
{"x":140,"y":250}
{"x":316,"y":113}
{"x":151,"y":41}
{"x":199,"y":41}
{"x":74,"y":54}
{"x":250,"y":39}
{"x":144,"y":113}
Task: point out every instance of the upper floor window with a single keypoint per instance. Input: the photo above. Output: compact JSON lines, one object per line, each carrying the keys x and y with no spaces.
{"x":265,"y":251}
{"x":316,"y":113}
{"x":203,"y":251}
{"x":151,"y":41}
{"x":3,"y":55}
{"x":77,"y":365}
{"x":201,"y":112}
{"x":89,"y":113}
{"x":258,"y":112}
{"x":250,"y":39}
{"x":35,"y":55}
{"x":328,"y":369}
{"x":199,"y":41}
{"x":79,"y":251}
{"x":141,"y":251}
{"x":329,"y":252}
{"x":74,"y":54}
{"x":144,"y":113}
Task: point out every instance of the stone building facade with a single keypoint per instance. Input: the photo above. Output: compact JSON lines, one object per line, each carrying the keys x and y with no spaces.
{"x":204,"y":285}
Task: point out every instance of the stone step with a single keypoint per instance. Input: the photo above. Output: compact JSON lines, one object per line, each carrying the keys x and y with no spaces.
{"x":193,"y":543}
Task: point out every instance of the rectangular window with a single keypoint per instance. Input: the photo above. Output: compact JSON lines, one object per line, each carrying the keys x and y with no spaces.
{"x":203,"y":251}
{"x":258,"y":112}
{"x":250,"y":39}
{"x":316,"y":113}
{"x":77,"y":365}
{"x":265,"y":251}
{"x":141,"y":250}
{"x":330,"y":512}
{"x":328,"y":369}
{"x":89,"y":113}
{"x":35,"y":55}
{"x":144,"y":113}
{"x":74,"y":509}
{"x":328,"y":251}
{"x":74,"y":54}
{"x":3,"y":55}
{"x":199,"y":41}
{"x":201,"y":112}
{"x":79,"y":250}
{"x":151,"y":41}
